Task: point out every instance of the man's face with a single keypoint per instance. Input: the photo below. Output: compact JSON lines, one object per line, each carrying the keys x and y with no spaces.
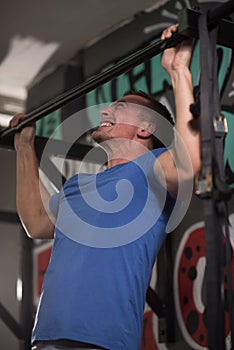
{"x":121,"y":119}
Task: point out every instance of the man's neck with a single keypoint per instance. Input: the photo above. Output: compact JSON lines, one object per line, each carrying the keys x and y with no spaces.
{"x":116,"y":157}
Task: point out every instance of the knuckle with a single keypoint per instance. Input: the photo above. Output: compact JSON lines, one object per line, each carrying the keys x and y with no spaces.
{"x":16,"y":119}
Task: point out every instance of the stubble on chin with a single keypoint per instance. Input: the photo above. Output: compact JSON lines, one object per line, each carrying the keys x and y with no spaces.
{"x":99,"y":136}
{"x":96,"y":135}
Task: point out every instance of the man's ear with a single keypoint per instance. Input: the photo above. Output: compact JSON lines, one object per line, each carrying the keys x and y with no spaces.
{"x":146,"y":129}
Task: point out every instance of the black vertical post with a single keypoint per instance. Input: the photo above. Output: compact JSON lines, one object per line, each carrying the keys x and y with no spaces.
{"x":214,"y":313}
{"x":26,"y":309}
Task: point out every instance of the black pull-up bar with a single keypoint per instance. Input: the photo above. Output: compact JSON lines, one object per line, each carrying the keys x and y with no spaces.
{"x":188,"y":20}
{"x":92,"y":83}
{"x":221,"y":11}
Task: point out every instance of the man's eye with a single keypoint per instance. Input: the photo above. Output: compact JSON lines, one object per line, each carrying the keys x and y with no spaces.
{"x":120,"y":104}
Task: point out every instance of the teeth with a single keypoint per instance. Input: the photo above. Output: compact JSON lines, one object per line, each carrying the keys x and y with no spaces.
{"x":106,"y":124}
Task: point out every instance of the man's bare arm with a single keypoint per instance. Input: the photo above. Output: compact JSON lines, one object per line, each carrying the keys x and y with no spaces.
{"x":31,"y":197}
{"x":183,"y":162}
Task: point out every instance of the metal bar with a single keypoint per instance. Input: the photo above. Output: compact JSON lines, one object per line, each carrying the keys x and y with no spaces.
{"x":94,"y":82}
{"x":62,"y":149}
{"x":59,"y":148}
{"x":52,"y":172}
{"x":124,"y":65}
{"x":10,"y":322}
{"x":220,"y":11}
{"x":7,"y":216}
{"x":155,"y":302}
{"x":188,"y":24}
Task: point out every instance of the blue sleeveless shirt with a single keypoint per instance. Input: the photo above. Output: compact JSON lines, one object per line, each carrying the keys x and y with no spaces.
{"x":108,"y":232}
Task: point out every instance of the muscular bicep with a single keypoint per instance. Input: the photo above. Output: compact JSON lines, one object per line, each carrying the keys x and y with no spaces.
{"x":176,"y":174}
{"x":39,"y":222}
{"x":40,"y":226}
{"x":167,"y":173}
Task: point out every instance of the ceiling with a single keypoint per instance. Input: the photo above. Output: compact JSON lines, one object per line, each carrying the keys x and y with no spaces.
{"x":40,"y":35}
{"x":70,"y":23}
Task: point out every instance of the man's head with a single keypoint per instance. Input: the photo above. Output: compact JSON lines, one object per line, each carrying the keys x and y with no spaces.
{"x":159,"y":115}
{"x":138,"y":117}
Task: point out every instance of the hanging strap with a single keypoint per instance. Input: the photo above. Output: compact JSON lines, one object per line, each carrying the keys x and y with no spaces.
{"x":214,"y":190}
{"x":214,"y":313}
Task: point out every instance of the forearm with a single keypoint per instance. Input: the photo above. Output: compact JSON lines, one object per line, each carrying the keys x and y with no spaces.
{"x":29,"y":201}
{"x":186,"y":126}
{"x":182,"y":163}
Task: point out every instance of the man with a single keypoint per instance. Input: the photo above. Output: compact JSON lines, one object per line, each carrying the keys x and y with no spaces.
{"x":109,"y":226}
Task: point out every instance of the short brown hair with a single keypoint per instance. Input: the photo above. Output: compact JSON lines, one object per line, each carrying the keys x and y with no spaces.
{"x":164,"y":133}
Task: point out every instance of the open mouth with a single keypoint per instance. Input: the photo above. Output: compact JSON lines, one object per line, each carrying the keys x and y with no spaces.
{"x":106,"y":123}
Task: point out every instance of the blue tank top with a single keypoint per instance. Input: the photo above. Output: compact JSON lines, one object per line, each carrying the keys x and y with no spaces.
{"x":109,"y":229}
